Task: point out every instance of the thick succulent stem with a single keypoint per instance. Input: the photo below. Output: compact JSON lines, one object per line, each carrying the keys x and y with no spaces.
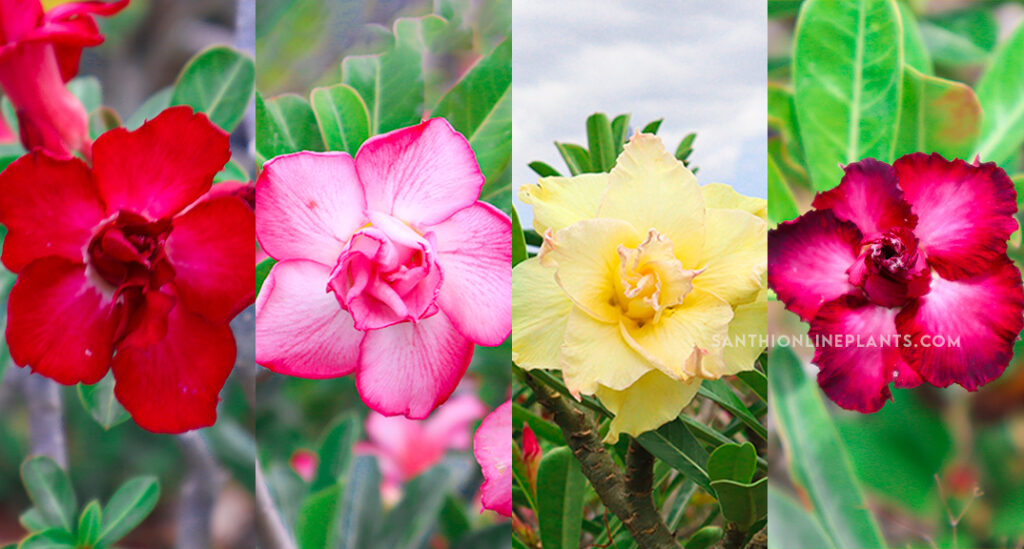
{"x":46,"y":418}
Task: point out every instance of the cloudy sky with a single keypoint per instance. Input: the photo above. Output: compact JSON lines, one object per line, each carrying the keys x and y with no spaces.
{"x":699,"y":64}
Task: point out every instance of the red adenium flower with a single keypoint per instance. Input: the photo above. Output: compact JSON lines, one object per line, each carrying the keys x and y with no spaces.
{"x":39,"y":52}
{"x":132,"y":265}
{"x":903,"y":275}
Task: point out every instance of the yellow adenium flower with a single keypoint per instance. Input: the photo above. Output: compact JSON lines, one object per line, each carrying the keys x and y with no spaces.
{"x":645,"y":285}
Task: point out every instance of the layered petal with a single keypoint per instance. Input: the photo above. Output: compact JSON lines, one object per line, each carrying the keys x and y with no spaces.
{"x":735,"y":255}
{"x":868,"y":197}
{"x":649,"y":188}
{"x":173,"y":386}
{"x":308,"y":205}
{"x":51,"y":295}
{"x":963,"y":331}
{"x":421,"y":174}
{"x":50,"y":208}
{"x":539,"y":321}
{"x":965,"y":212}
{"x":654,"y":400}
{"x":561,"y":201}
{"x":163,"y":166}
{"x":300,"y":328}
{"x":412,"y":368}
{"x":809,"y":257}
{"x":596,"y":353}
{"x":211,"y":249}
{"x":724,"y":197}
{"x":451,"y":423}
{"x":474,"y":248}
{"x":493,"y":446}
{"x":747,"y":335}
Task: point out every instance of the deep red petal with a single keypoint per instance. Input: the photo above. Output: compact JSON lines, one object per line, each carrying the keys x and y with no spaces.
{"x":965,"y":212}
{"x":161,"y":167}
{"x":868,"y":197}
{"x":983,"y":315}
{"x":808,"y":259}
{"x":60,"y":323}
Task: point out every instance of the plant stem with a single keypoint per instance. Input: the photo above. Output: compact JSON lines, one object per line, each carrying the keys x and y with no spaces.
{"x":269,"y":523}
{"x":638,"y":514}
{"x":46,"y":418}
{"x":199,"y":493}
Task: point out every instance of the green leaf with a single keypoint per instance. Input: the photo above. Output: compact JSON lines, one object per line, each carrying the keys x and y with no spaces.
{"x":674,"y":444}
{"x":49,"y":488}
{"x":733,"y":462}
{"x":781,"y":204}
{"x":233,"y":171}
{"x":543,"y":169}
{"x":620,"y":132}
{"x":263,"y":271}
{"x":49,"y":539}
{"x":361,"y":506}
{"x":317,"y":523}
{"x":719,"y":391}
{"x":961,"y":37}
{"x":742,"y":503}
{"x":576,"y":157}
{"x":540,"y":426}
{"x":409,"y":524}
{"x":802,"y":530}
{"x":101,"y":403}
{"x":454,"y":519}
{"x":518,"y":240}
{"x":599,"y":138}
{"x":685,"y":147}
{"x":342,"y":117}
{"x":285,"y":124}
{"x":818,"y":460}
{"x":219,"y":82}
{"x":128,"y":507}
{"x":336,"y":450}
{"x":33,"y":520}
{"x":915,"y":52}
{"x":88,"y":90}
{"x":705,"y":537}
{"x":939,"y":115}
{"x":1001,"y":94}
{"x":103,"y":120}
{"x":150,"y":108}
{"x":498,"y":536}
{"x":560,"y":502}
{"x":89,"y":523}
{"x":848,"y":67}
{"x":654,"y":126}
{"x":782,"y":119}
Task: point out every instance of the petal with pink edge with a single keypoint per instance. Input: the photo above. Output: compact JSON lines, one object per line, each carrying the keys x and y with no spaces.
{"x":410,"y":369}
{"x":965,"y":212}
{"x":475,"y":252}
{"x":808,"y":258}
{"x":451,"y":423}
{"x":300,"y":328}
{"x":51,"y":295}
{"x":421,"y":174}
{"x":869,"y":198}
{"x":493,"y":446}
{"x":978,"y":320}
{"x":163,"y":166}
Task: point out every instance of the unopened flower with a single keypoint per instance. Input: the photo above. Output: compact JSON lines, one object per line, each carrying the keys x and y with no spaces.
{"x":902,"y":273}
{"x":131,"y":265}
{"x":641,"y":280}
{"x":304,"y":462}
{"x":493,"y":446}
{"x":389,"y":267}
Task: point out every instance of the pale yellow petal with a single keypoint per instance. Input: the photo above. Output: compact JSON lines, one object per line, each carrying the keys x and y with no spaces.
{"x":654,"y":400}
{"x":652,"y":190}
{"x":594,"y":353}
{"x":561,"y":201}
{"x":540,"y":311}
{"x":724,"y":197}
{"x":747,"y":335}
{"x":735,"y":256}
{"x":586,"y":258}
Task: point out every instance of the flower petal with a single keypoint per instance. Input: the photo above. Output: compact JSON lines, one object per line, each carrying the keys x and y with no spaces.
{"x":161,"y":167}
{"x":452,"y":422}
{"x":868,"y":197}
{"x":654,"y":400}
{"x":493,"y":446}
{"x":308,"y":205}
{"x":421,"y":174}
{"x":475,"y":252}
{"x":561,"y":201}
{"x":410,"y":369}
{"x":50,"y":208}
{"x":978,"y":319}
{"x":595,"y":353}
{"x":540,"y":312}
{"x":211,"y":249}
{"x":300,"y":328}
{"x":965,"y":212}
{"x":174,"y":385}
{"x":735,"y":255}
{"x":51,"y":295}
{"x":808,"y":259}
{"x":747,"y":335}
{"x":724,"y":197}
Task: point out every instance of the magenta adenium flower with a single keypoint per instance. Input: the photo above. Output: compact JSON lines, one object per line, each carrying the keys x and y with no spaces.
{"x":388,"y":268}
{"x":902,"y":273}
{"x":39,"y":52}
{"x":493,"y":446}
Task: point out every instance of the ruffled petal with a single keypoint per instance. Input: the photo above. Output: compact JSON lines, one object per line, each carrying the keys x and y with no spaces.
{"x":963,"y":331}
{"x":474,"y":248}
{"x":561,"y":201}
{"x":300,"y":328}
{"x":735,"y":255}
{"x":654,"y":400}
{"x":50,"y":208}
{"x":410,"y":369}
{"x":308,"y":205}
{"x":724,"y":197}
{"x":493,"y":446}
{"x":421,"y":174}
{"x":808,"y":260}
{"x":596,"y":353}
{"x":748,"y":335}
{"x":163,"y":166}
{"x":868,"y":197}
{"x":965,"y":212}
{"x":540,"y":312}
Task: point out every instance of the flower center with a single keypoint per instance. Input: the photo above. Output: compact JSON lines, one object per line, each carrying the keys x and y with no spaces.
{"x":128,"y":252}
{"x":651,"y":281}
{"x":891,"y":269}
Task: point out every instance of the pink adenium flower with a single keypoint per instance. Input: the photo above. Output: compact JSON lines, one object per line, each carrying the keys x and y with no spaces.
{"x":39,"y":52}
{"x":493,"y":446}
{"x":389,"y":267}
{"x":902,"y":273}
{"x":304,"y":462}
{"x":132,"y":264}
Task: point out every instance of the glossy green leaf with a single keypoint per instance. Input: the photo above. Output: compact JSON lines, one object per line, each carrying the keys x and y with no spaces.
{"x":782,"y":119}
{"x":781,"y":204}
{"x":915,"y":52}
{"x":938,"y":115}
{"x":33,"y":520}
{"x":543,"y":169}
{"x":454,"y":518}
{"x":88,"y":90}
{"x":101,"y":403}
{"x":263,"y":271}
{"x":409,"y":524}
{"x":674,"y":444}
{"x":705,"y":538}
{"x":719,"y":391}
{"x":103,"y":120}
{"x":960,"y":37}
{"x":128,"y":507}
{"x":498,"y":536}
{"x":150,"y":108}
{"x":561,"y":487}
{"x":49,"y":488}
{"x":818,"y":459}
{"x":317,"y":523}
{"x":342,"y":117}
{"x":89,"y":523}
{"x":336,"y":450}
{"x":361,"y":505}
{"x":1001,"y":94}
{"x":49,"y":539}
{"x":733,"y":462}
{"x":576,"y":157}
{"x":233,"y":171}
{"x":540,"y":426}
{"x":518,"y":241}
{"x":285,"y":124}
{"x":620,"y":132}
{"x":599,"y":138}
{"x":742,"y":503}
{"x":653,"y":126}
{"x":848,"y":66}
{"x":783,"y":8}
{"x":685,"y":147}
{"x":219,"y":82}
{"x":802,"y":529}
